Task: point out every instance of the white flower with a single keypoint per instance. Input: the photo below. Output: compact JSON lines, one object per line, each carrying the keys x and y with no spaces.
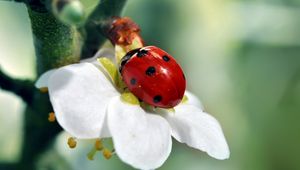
{"x":87,"y":105}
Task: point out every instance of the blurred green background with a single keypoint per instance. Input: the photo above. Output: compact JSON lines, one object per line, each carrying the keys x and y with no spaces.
{"x":241,"y":58}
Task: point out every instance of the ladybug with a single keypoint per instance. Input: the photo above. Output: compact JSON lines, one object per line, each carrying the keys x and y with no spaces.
{"x":153,"y":76}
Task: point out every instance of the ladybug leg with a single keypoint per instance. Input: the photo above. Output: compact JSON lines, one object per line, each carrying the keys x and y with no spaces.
{"x":171,"y":110}
{"x":159,"y":110}
{"x":147,"y":107}
{"x":155,"y":109}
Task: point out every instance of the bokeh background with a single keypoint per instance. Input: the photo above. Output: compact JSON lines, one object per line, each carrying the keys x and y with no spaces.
{"x":241,"y":58}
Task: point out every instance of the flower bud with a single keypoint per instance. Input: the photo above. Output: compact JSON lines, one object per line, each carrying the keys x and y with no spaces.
{"x":70,"y":12}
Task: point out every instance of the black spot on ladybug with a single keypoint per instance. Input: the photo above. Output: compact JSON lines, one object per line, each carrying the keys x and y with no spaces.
{"x":157,"y":98}
{"x":150,"y":71}
{"x":125,"y":59}
{"x":183,"y":76}
{"x":140,"y":100}
{"x":142,"y":53}
{"x":133,"y":81}
{"x":166,"y":58}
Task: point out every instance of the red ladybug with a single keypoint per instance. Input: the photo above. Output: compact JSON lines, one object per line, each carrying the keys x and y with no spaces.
{"x":153,"y":76}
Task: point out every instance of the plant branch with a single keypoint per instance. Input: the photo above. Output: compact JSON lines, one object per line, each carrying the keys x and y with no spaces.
{"x":56,"y":44}
{"x":95,"y":36}
{"x":8,"y":166}
{"x":22,"y":88}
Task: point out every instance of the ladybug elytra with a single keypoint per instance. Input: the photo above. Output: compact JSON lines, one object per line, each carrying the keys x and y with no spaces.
{"x":153,"y":76}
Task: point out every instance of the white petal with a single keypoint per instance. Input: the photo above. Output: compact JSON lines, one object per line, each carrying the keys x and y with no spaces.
{"x":199,"y":130}
{"x":193,"y":100}
{"x":141,"y":139}
{"x":42,"y":81}
{"x":80,"y":94}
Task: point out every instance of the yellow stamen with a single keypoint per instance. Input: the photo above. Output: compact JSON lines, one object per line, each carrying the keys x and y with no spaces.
{"x":107,"y":153}
{"x":44,"y":90}
{"x":72,"y":142}
{"x":98,"y":145}
{"x":51,"y":117}
{"x":92,"y":154}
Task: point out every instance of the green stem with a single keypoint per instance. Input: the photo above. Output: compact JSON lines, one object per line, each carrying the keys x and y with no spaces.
{"x":22,"y":88}
{"x":56,"y":44}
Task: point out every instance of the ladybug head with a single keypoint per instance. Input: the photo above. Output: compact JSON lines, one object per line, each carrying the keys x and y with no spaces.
{"x":125,"y":59}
